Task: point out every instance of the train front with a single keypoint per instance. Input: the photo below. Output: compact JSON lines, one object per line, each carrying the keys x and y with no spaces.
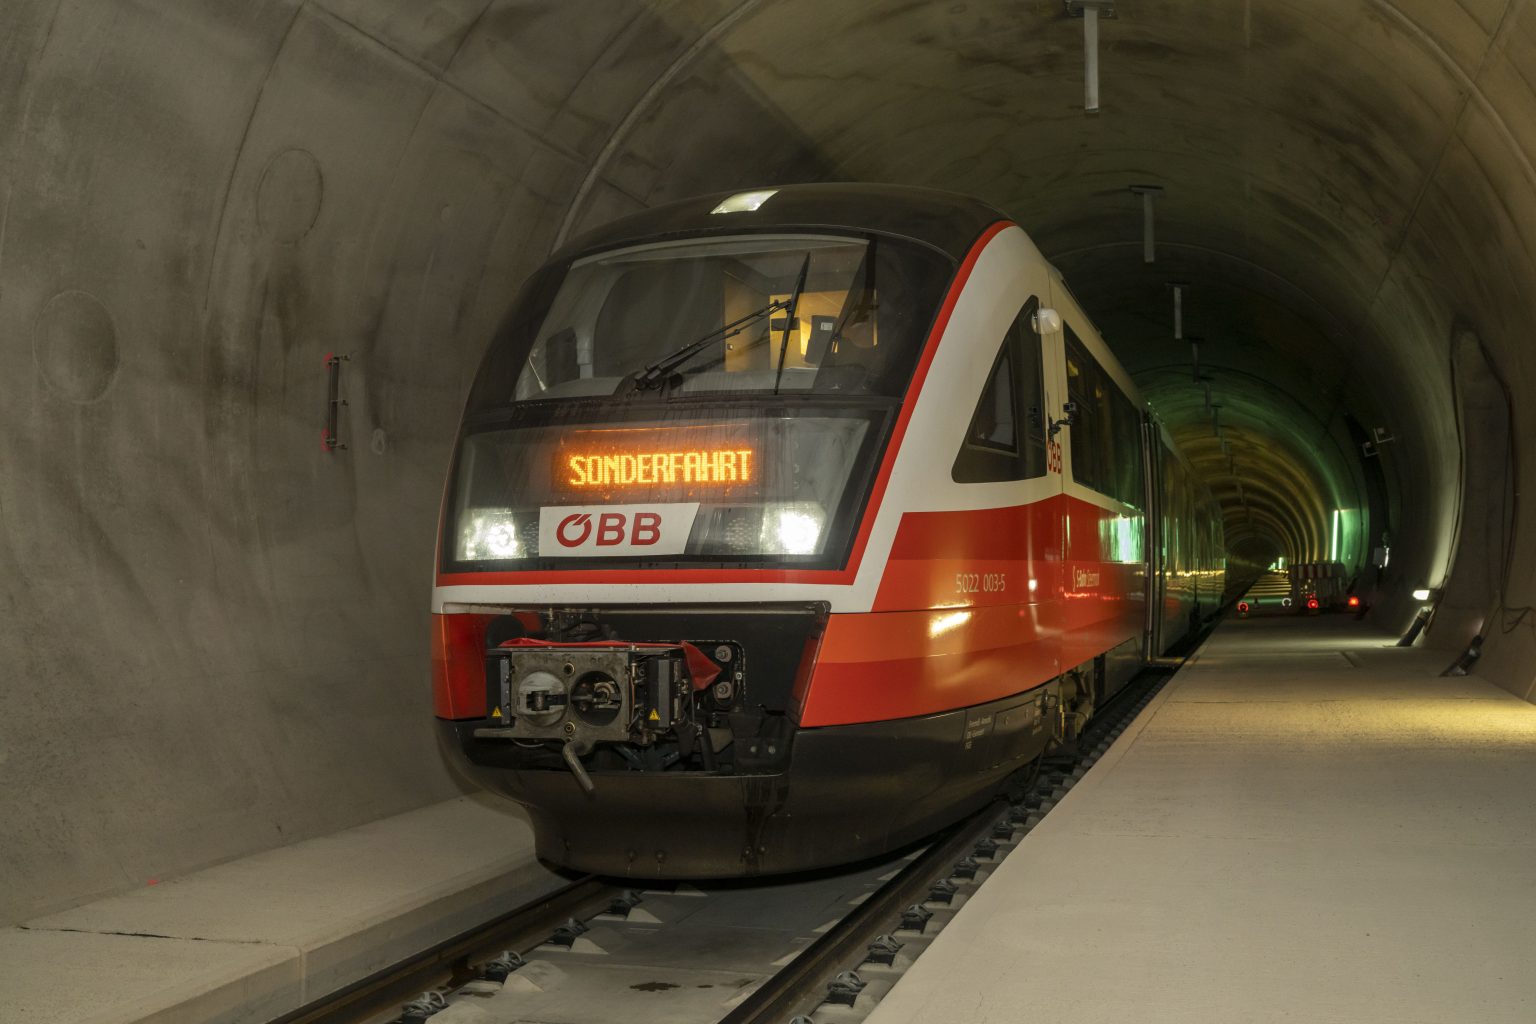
{"x":661,"y":490}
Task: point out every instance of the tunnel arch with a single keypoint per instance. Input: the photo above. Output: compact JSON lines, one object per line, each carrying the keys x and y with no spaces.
{"x":243,"y":190}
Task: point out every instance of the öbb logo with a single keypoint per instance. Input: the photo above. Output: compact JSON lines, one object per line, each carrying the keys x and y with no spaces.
{"x":642,"y":529}
{"x":616,"y":531}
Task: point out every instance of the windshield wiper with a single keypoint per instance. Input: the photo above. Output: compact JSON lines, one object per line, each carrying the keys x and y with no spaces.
{"x":789,"y":320}
{"x":653,"y":375}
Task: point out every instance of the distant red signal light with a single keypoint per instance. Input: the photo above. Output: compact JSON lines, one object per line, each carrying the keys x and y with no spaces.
{"x":1354,"y":602}
{"x":1242,"y":607}
{"x":1312,"y":604}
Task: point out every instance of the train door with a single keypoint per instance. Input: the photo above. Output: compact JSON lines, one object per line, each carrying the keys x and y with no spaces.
{"x":1007,"y":444}
{"x":1104,"y":551}
{"x":1053,"y":526}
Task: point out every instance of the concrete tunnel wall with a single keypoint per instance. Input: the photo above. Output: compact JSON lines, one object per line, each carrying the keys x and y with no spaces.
{"x":215,"y":631}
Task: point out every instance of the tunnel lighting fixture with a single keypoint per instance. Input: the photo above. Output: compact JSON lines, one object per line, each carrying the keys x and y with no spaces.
{"x":1149,"y":194}
{"x":1090,"y":11}
{"x":745,"y":202}
{"x":1178,"y":318}
{"x":1422,"y":594}
{"x":1333,"y":536}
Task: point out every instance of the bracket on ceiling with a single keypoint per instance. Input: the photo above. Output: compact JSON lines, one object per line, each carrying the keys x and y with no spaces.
{"x":1149,"y":194}
{"x":1379,"y":437}
{"x":1179,"y":288}
{"x":1090,"y":11}
{"x":1075,"y":8}
{"x":1194,"y":357}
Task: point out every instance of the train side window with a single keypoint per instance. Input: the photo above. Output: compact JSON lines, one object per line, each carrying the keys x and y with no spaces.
{"x":994,"y":426}
{"x":1031,"y":389}
{"x":1006,"y":436}
{"x":1084,"y":389}
{"x":1106,"y":433}
{"x":1129,"y":483}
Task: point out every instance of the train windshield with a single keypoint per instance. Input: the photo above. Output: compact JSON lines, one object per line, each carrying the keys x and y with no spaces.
{"x":758,"y":313}
{"x":719,"y":401}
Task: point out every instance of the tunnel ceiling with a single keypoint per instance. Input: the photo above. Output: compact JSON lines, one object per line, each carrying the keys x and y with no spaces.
{"x":1318,"y":164}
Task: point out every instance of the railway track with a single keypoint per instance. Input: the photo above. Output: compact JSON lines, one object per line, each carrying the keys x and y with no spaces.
{"x":815,"y":949}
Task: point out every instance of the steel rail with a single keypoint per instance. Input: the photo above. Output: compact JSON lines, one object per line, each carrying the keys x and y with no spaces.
{"x":448,"y":962}
{"x":803,"y":984}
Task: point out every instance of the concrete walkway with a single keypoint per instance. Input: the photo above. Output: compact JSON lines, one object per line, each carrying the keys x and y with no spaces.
{"x":255,"y":938}
{"x":1306,"y":825}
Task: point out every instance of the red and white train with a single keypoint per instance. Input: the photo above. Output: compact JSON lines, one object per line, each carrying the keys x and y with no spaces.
{"x":784,"y":526}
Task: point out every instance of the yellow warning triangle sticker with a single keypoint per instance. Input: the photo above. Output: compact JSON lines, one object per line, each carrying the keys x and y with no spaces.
{"x":496,"y":713}
{"x":654,"y":716}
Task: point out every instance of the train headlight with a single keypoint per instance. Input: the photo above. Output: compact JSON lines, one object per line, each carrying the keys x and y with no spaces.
{"x":796,"y":528}
{"x":793,"y":528}
{"x":487,"y":534}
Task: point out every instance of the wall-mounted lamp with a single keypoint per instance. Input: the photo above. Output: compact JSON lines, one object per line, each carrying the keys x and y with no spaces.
{"x":1428,"y":597}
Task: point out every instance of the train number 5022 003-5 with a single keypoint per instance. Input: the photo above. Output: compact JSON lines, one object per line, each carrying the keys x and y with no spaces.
{"x":981,"y":582}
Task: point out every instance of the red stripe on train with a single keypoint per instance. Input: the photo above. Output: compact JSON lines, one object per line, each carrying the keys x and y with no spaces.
{"x":976,"y":605}
{"x":882,"y":666}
